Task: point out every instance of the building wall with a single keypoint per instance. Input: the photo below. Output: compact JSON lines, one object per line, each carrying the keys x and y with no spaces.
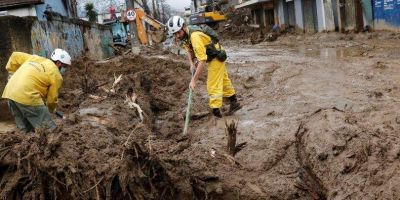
{"x":29,"y":35}
{"x":329,"y":17}
{"x":298,"y":9}
{"x":56,"y":6}
{"x":335,"y":14}
{"x":288,"y":13}
{"x":291,"y":16}
{"x":320,"y":15}
{"x":350,"y":19}
{"x":279,"y":13}
{"x":309,"y":13}
{"x":14,"y":37}
{"x":367,"y":12}
{"x":386,"y":15}
{"x":21,"y":12}
{"x":46,"y":36}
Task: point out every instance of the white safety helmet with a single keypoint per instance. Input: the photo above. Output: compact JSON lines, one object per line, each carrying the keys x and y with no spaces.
{"x":175,"y":24}
{"x":62,"y":56}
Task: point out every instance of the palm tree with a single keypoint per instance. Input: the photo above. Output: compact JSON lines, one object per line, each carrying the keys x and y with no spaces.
{"x":90,"y":12}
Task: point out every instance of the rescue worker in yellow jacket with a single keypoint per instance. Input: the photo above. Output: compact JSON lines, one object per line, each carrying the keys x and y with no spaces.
{"x":33,"y":82}
{"x":201,"y":46}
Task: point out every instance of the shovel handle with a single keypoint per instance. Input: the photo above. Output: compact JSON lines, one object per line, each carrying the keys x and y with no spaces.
{"x":59,"y":114}
{"x":189,"y":107}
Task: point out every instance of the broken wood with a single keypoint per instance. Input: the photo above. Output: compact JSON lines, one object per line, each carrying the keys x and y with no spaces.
{"x":219,"y":155}
{"x":116,"y":81}
{"x":231,"y":130}
{"x":130,"y":99}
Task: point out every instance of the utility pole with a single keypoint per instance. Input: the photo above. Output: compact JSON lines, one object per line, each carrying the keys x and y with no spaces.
{"x":130,"y":4}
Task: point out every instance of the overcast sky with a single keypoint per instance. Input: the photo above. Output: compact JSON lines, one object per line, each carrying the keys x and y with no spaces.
{"x":178,"y":5}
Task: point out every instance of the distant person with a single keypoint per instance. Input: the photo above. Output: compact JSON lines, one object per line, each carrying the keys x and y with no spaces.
{"x":201,"y":45}
{"x":246,"y":20}
{"x":276,"y":28}
{"x":31,"y":80}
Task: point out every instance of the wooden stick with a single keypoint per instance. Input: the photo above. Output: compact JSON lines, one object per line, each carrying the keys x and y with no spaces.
{"x":95,"y":186}
{"x":127,"y":140}
{"x":231,"y":130}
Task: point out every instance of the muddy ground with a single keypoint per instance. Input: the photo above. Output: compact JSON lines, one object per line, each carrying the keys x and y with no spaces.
{"x":320,"y":121}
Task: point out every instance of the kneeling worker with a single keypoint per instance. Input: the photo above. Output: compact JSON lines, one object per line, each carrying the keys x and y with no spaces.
{"x":31,"y":80}
{"x":202,"y":43}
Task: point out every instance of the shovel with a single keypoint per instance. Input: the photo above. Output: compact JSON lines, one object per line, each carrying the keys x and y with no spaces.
{"x":189,"y":107}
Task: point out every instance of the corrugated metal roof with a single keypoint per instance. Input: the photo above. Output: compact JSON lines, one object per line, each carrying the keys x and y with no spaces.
{"x":12,"y":3}
{"x":250,"y":3}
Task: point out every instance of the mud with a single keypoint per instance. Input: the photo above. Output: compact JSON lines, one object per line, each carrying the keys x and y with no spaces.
{"x":102,"y":150}
{"x":319,"y":119}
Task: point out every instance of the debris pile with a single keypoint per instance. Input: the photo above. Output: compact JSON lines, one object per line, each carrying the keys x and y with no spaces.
{"x":103,"y":148}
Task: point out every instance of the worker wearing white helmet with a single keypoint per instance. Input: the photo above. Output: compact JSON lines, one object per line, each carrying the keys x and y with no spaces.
{"x":202,"y":44}
{"x":33,"y":79}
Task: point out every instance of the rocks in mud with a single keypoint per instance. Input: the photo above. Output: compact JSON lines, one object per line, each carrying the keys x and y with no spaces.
{"x":398,"y":119}
{"x":269,"y":37}
{"x":322,"y":156}
{"x":337,"y":149}
{"x":381,"y":65}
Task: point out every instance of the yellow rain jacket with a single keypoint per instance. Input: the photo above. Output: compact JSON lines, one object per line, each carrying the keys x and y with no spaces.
{"x":218,"y":83}
{"x":34,"y":79}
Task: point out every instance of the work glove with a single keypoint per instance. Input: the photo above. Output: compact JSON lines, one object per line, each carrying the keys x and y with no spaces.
{"x":9,"y":76}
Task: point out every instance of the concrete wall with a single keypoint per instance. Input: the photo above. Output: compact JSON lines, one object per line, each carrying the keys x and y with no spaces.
{"x":350,"y":15}
{"x":29,"y":35}
{"x":279,"y":13}
{"x":325,"y":15}
{"x":309,"y":13}
{"x":77,"y":39}
{"x":320,"y":15}
{"x":335,"y":14}
{"x":386,"y":15}
{"x":367,"y":12}
{"x":15,"y":35}
{"x":329,"y":17}
{"x":298,"y":9}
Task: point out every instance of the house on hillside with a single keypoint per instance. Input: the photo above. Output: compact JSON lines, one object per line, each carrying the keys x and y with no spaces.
{"x":37,"y":8}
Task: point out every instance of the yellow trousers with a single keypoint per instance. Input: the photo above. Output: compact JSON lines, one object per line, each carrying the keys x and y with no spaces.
{"x":218,"y":83}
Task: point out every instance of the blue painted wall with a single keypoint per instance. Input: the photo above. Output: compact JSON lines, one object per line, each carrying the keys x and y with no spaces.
{"x":386,"y":14}
{"x":56,"y":6}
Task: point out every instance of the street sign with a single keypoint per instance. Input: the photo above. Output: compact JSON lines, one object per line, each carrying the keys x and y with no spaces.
{"x":130,"y":15}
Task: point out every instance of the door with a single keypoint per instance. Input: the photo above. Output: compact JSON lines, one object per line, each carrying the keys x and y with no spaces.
{"x":310,"y":16}
{"x":291,"y":14}
{"x":359,"y":16}
{"x":342,"y":14}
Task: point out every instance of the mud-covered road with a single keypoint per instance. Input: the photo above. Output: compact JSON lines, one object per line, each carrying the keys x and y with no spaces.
{"x":320,"y":120}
